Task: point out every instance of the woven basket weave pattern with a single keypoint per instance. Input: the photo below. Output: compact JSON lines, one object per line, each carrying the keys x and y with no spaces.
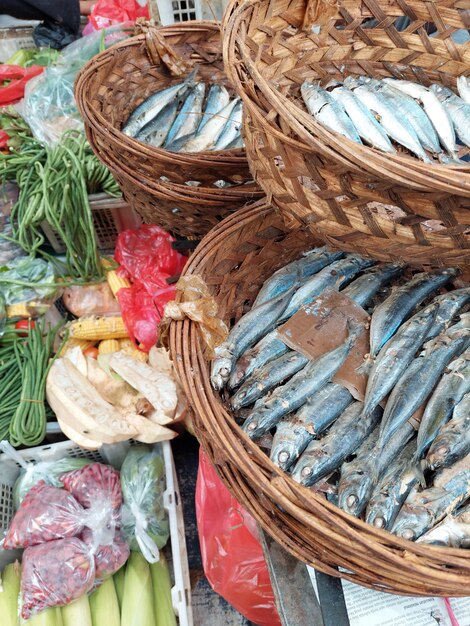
{"x":234,"y":259}
{"x":295,"y":159}
{"x":113,"y":84}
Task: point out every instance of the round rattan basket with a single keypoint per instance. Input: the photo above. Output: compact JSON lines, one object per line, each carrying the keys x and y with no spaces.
{"x":389,"y":207}
{"x":234,"y":259}
{"x":186,"y":193}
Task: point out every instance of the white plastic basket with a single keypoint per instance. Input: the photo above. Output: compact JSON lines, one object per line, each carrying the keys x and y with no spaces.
{"x":112,"y":455}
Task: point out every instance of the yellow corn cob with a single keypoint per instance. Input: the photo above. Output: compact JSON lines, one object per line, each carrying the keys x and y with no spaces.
{"x":98,"y":328}
{"x":18,"y":310}
{"x":125,"y":344}
{"x":115,"y":282}
{"x":107,"y":346}
{"x":72,"y":343}
{"x":129,"y":348}
{"x":106,"y":263}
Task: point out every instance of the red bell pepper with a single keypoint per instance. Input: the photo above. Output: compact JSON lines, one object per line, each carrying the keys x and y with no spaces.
{"x":17,"y":76}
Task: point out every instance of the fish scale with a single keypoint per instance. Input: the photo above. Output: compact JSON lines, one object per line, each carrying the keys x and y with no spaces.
{"x":453,"y":441}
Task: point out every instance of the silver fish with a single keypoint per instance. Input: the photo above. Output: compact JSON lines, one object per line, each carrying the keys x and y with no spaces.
{"x":417,"y":118}
{"x":330,"y":277}
{"x":267,"y":349}
{"x":246,"y":332}
{"x":419,"y":379}
{"x":299,"y":388}
{"x":325,"y":455}
{"x":153,"y":105}
{"x":352,"y":473}
{"x":441,"y":92}
{"x":453,"y":531}
{"x":285,"y":278}
{"x":459,"y":113}
{"x":440,"y":119}
{"x":449,"y":304}
{"x":395,"y":126}
{"x":453,"y":440}
{"x":294,"y":433}
{"x":388,"y":315}
{"x":327,"y":111}
{"x":367,"y":126}
{"x":392,"y":490}
{"x":364,"y":288}
{"x":155,"y":132}
{"x":356,"y":494}
{"x":463,"y":86}
{"x":217,"y":98}
{"x":267,"y":377}
{"x":396,"y":355}
{"x":415,"y":90}
{"x":231,"y":130}
{"x":236,"y":143}
{"x":426,"y":508}
{"x":207,"y":137}
{"x":450,"y":390}
{"x":189,"y":116}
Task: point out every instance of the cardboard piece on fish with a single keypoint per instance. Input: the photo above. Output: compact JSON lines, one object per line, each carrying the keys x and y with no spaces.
{"x":321,"y":326}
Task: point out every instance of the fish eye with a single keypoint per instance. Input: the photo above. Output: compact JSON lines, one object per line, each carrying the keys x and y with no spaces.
{"x":252,"y":426}
{"x":282,"y":457}
{"x":306,"y":471}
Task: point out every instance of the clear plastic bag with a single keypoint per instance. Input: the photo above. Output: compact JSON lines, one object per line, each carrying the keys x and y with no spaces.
{"x":87,"y":300}
{"x":144,"y":519}
{"x":232,"y":555}
{"x":49,"y":104}
{"x":109,"y":558}
{"x":27,"y":269}
{"x":54,"y":574}
{"x":95,"y":483}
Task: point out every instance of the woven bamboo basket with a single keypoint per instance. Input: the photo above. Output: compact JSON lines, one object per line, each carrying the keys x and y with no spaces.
{"x":115,"y":82}
{"x":234,"y":259}
{"x":389,"y":207}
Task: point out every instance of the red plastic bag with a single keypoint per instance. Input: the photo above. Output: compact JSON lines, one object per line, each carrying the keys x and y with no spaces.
{"x":232,"y":555}
{"x":147,"y":259}
{"x":46,"y":513}
{"x":108,"y":12}
{"x":17,"y":76}
{"x":54,"y":574}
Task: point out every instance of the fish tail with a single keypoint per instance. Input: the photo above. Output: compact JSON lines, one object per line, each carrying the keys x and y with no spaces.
{"x":419,"y":467}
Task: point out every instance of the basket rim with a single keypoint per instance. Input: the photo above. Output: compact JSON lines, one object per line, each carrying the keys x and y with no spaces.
{"x":189,"y":358}
{"x":133,"y":145}
{"x":448,"y":179}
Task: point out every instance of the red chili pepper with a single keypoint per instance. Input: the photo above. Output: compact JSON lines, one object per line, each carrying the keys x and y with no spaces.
{"x":4,"y":137}
{"x":18,"y":77}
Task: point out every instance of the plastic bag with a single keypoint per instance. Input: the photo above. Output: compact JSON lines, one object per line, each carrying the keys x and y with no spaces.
{"x":144,"y":518}
{"x":86,"y":300}
{"x":47,"y":513}
{"x":147,"y":258}
{"x":49,"y":104}
{"x":17,"y":78}
{"x":232,"y":555}
{"x":110,"y":557}
{"x":107,"y":12}
{"x":54,"y":574}
{"x":95,"y":483}
{"x":50,"y":34}
{"x":30,"y":270}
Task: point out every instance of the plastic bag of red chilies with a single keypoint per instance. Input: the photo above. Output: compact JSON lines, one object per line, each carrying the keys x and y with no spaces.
{"x":94,"y":483}
{"x":232,"y":555}
{"x":46,"y":513}
{"x":54,"y":574}
{"x":146,"y":258}
{"x":108,"y":558}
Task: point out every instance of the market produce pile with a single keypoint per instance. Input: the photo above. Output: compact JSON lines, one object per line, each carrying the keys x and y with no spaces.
{"x":432,"y":121}
{"x":78,"y":523}
{"x":396,"y":454}
{"x":188,"y":117}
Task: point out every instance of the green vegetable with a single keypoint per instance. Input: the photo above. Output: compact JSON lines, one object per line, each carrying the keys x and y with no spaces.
{"x":143,"y":484}
{"x":54,"y":186}
{"x":119,"y":584}
{"x":21,"y":57}
{"x":24,"y":270}
{"x":9,"y":596}
{"x":161,"y":583}
{"x":77,"y":613}
{"x":104,"y":605}
{"x":49,"y":471}
{"x":137,"y":603}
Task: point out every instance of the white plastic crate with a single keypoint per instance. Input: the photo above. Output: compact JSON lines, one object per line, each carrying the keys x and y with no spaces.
{"x":112,"y":455}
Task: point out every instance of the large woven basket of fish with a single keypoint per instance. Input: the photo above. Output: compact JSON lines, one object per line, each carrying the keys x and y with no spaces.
{"x":225,"y":273}
{"x":388,"y":201}
{"x":119,"y":93}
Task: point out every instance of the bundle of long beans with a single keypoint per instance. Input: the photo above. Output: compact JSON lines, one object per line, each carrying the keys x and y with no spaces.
{"x":54,"y":185}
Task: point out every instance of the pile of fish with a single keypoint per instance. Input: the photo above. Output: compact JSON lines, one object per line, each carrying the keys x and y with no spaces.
{"x":366,"y":455}
{"x":428,"y":122}
{"x":188,"y":117}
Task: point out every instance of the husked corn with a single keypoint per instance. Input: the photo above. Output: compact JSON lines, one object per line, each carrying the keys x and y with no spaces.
{"x":97,"y":328}
{"x":21,"y":309}
{"x":116,"y":282}
{"x":107,"y":346}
